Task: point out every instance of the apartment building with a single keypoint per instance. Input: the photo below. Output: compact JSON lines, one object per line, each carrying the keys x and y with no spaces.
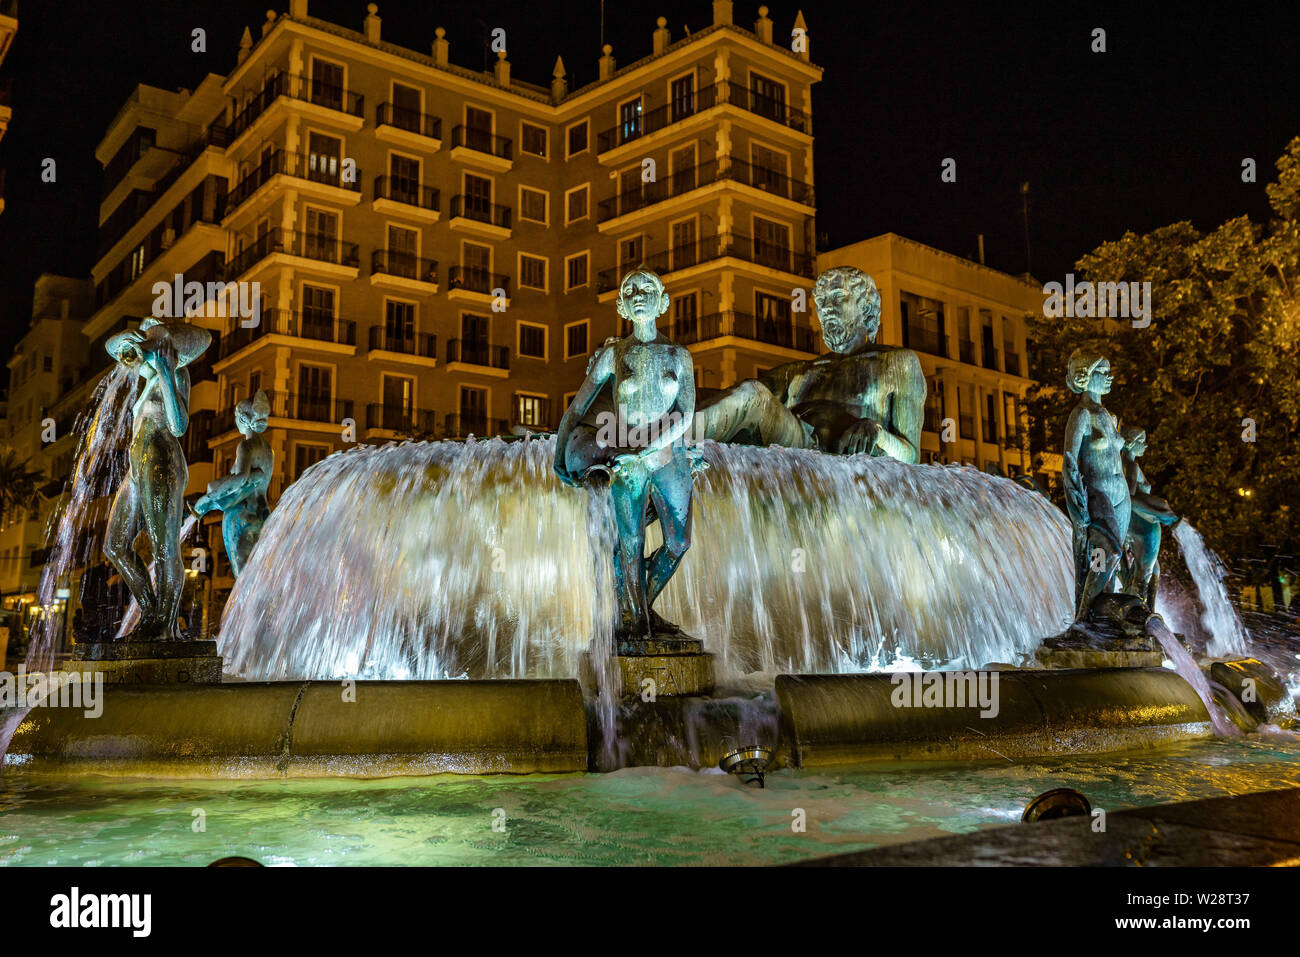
{"x":967,"y":324}
{"x":438,"y":249}
{"x":8,"y":28}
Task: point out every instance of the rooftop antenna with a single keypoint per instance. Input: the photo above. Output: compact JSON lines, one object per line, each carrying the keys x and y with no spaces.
{"x":1024,"y":209}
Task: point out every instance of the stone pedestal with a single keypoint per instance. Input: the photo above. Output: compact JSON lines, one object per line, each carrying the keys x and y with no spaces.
{"x":678,"y":666}
{"x":150,"y":662}
{"x":1099,"y":644}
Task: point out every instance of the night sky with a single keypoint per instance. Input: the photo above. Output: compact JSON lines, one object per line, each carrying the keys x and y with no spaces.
{"x":1150,"y":132}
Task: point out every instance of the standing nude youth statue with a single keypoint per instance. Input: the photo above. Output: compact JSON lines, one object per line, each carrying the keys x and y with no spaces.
{"x":641,"y":448}
{"x":241,"y":495}
{"x":1096,"y":490}
{"x":1150,"y":514}
{"x":861,"y":398}
{"x":152,"y":496}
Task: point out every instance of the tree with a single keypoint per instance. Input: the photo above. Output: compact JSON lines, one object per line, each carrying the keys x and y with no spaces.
{"x":1214,"y":379}
{"x":19,"y":484}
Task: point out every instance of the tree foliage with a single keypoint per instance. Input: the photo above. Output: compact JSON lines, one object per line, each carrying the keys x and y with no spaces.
{"x":1217,"y":365}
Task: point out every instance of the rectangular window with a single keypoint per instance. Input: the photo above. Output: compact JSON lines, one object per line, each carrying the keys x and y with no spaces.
{"x":682,"y":97}
{"x":404,"y":179}
{"x":532,"y":341}
{"x":768,"y":170}
{"x":305,"y":456}
{"x":629,"y":253}
{"x":399,"y":400}
{"x":575,"y":269}
{"x":473,"y":410}
{"x":399,"y":325}
{"x":965,"y":340}
{"x":684,"y":251}
{"x":478,"y":197}
{"x":532,"y":272}
{"x":322,"y":239}
{"x":575,"y":340}
{"x":532,"y":139}
{"x":966,"y":411}
{"x":771,"y":244}
{"x":530,"y":410}
{"x":406,"y":107}
{"x":990,"y":423}
{"x":327,"y":83}
{"x":317,"y":313}
{"x":766,"y":97}
{"x":683,"y":164}
{"x":772,"y":319}
{"x":934,"y":405}
{"x":629,"y":120}
{"x":1011,"y":412}
{"x":923,"y":324}
{"x":576,"y":204}
{"x":315,"y":393}
{"x":686,"y":318}
{"x":577,"y":138}
{"x":532,"y":204}
{"x":323,"y":158}
{"x":403,"y":250}
{"x":988,"y":349}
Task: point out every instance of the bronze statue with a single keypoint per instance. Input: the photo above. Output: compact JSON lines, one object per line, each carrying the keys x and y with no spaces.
{"x":639,"y":445}
{"x":861,"y":398}
{"x":241,"y":495}
{"x":1096,"y":491}
{"x":152,"y":497}
{"x":1149,"y":516}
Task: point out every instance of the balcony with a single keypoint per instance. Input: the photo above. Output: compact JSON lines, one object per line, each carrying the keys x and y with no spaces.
{"x":770,"y":181}
{"x":670,"y":260}
{"x":479,"y":357}
{"x":410,"y":127}
{"x":481,"y":148}
{"x":296,"y":325}
{"x":657,"y":119}
{"x":471,"y":284}
{"x":400,"y":421}
{"x":406,"y":197}
{"x":322,"y":99}
{"x":295,"y":408}
{"x":323,"y":171}
{"x":464,"y":425}
{"x":395,"y":270}
{"x":332,"y":256}
{"x":677,"y":184}
{"x":409,"y":347}
{"x":929,"y":341}
{"x":474,"y":214}
{"x":742,"y":325}
{"x":767,"y":107}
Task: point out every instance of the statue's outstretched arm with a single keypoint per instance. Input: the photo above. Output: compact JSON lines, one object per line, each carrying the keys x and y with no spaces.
{"x":599,"y":371}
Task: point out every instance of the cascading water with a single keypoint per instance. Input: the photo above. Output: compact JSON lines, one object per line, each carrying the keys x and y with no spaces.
{"x":1227,"y":634}
{"x":448,"y":559}
{"x":102,"y":429}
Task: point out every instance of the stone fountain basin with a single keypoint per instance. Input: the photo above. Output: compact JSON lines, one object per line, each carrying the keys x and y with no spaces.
{"x":310,"y":729}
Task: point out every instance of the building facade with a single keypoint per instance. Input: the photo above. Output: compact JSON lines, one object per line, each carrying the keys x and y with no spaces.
{"x":967,"y":324}
{"x":437,"y":249}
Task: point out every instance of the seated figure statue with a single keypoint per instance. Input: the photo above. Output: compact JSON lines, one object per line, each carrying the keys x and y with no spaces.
{"x":640,"y":447}
{"x":241,"y":495}
{"x":861,"y":398}
{"x":1096,"y":491}
{"x":152,"y":496}
{"x":1150,"y":514}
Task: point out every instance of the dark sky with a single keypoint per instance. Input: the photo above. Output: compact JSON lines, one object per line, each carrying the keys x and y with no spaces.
{"x":1150,"y":132}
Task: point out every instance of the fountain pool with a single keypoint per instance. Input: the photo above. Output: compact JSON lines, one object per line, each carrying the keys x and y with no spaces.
{"x":628,"y":817}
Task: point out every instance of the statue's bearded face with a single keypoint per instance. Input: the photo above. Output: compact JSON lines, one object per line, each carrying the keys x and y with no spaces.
{"x":844,"y":325}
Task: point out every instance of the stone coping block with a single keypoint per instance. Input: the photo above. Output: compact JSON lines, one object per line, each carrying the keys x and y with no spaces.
{"x":848,"y":719}
{"x":313,"y":729}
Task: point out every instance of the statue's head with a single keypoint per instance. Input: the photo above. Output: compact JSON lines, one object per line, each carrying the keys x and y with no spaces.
{"x":1088,"y":371}
{"x":1135,"y":440}
{"x":848,"y":305}
{"x":641,"y":298}
{"x":252,"y":415}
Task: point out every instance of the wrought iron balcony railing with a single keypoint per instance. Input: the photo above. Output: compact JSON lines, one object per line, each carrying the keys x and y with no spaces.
{"x":316,"y":168}
{"x":480,"y":210}
{"x":404,"y":265}
{"x":323,"y":248}
{"x":287,"y":323}
{"x":408,"y":191}
{"x":406,"y":343}
{"x":413,"y":121}
{"x":478,"y":354}
{"x":304,"y":89}
{"x":482,"y":141}
{"x":477,"y":280}
{"x":657,"y":119}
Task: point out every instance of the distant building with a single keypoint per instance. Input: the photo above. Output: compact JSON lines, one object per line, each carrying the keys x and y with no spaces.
{"x":966,"y":322}
{"x":8,"y":28}
{"x":45,"y":394}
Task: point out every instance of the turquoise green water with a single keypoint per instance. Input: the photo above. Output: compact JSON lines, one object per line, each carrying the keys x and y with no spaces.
{"x":636,"y":816}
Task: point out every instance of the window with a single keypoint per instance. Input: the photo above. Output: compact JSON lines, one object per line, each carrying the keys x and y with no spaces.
{"x":530,"y":410}
{"x":532,"y":272}
{"x":305,"y":456}
{"x":682,"y":96}
{"x":532,"y":139}
{"x":327,"y":83}
{"x":989,"y":350}
{"x":682,"y":161}
{"x":404,"y":179}
{"x":766,"y":97}
{"x":923,"y":324}
{"x":629,"y":253}
{"x":1011,"y":414}
{"x":317,"y":312}
{"x":990,"y":423}
{"x":768,"y":170}
{"x":321,"y":241}
{"x":403,"y":251}
{"x":773,"y":319}
{"x":965,"y":341}
{"x":406,"y":108}
{"x":137,"y":261}
{"x":532,"y":204}
{"x":576,"y":203}
{"x":48,"y":363}
{"x":577,"y":138}
{"x":399,"y":402}
{"x":575,"y":271}
{"x":629,"y":120}
{"x":323,"y":154}
{"x":771,"y":244}
{"x":684,"y":249}
{"x":399,"y":325}
{"x":934,"y":405}
{"x":254,"y":382}
{"x":575,"y":339}
{"x":686,"y":319}
{"x":966,"y":412}
{"x":532,"y":341}
{"x":315,"y":393}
